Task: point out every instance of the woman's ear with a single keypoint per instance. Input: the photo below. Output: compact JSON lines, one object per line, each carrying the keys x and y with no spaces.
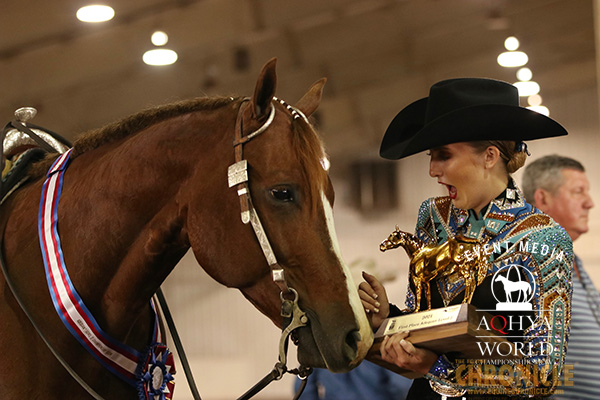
{"x":491,"y":157}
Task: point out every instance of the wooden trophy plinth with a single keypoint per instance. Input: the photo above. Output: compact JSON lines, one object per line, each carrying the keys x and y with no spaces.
{"x":442,"y":330}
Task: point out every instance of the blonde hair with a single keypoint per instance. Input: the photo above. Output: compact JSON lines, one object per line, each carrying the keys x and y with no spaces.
{"x":513,"y":157}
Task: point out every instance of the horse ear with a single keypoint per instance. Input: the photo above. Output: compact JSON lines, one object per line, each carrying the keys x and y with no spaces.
{"x":311,"y":100}
{"x":265,"y":89}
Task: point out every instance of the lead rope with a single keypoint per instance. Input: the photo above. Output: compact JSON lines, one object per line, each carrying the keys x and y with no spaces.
{"x":23,"y":128}
{"x":178,"y":344}
{"x":62,"y":361}
{"x":293,"y":317}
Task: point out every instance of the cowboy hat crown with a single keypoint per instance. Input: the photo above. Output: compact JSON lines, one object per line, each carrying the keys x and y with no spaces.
{"x":464,"y":110}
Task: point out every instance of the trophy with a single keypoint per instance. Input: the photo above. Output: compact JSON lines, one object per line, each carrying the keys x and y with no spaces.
{"x":464,"y":256}
{"x":442,"y":330}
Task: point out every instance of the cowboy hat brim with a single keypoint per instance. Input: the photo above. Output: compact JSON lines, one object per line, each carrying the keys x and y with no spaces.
{"x":408,"y":133}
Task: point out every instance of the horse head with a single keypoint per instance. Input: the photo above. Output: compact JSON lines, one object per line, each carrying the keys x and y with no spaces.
{"x":291,"y":195}
{"x":410,"y":243}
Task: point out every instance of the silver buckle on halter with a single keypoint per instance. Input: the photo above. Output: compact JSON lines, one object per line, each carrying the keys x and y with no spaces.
{"x":237,"y":173}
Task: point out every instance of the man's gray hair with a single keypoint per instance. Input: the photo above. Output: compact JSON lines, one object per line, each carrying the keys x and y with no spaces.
{"x":545,"y":173}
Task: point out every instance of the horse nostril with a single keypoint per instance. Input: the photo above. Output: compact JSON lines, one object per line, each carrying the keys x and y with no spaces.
{"x":351,"y":347}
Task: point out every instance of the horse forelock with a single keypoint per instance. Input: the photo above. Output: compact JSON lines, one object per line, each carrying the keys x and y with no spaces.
{"x":310,"y":151}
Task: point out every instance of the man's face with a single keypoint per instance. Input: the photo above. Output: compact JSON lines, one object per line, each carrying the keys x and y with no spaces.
{"x":571,"y":203}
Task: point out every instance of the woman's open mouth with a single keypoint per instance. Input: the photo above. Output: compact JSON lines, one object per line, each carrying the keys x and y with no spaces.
{"x":451,"y":191}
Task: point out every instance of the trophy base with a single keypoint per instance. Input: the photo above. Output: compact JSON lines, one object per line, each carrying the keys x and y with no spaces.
{"x":442,"y":330}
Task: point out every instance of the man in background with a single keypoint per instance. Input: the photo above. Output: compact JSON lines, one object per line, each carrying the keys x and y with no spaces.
{"x":559,"y":187}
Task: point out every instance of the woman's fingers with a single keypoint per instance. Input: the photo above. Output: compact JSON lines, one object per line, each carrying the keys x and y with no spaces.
{"x":374,"y":300}
{"x":376,"y":287}
{"x":387,"y":353}
{"x":390,"y":350}
{"x":401,"y":352}
{"x":368,"y":298}
{"x":408,"y":347}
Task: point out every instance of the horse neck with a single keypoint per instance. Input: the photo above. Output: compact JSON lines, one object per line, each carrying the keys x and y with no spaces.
{"x":137,"y":232}
{"x":410,"y":243}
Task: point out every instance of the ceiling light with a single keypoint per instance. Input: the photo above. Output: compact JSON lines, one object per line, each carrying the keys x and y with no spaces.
{"x":534,"y":100}
{"x":159,"y":38}
{"x":524,"y":74}
{"x":512,"y":59}
{"x":95,"y":13}
{"x":527,"y":88}
{"x":160,"y":57}
{"x":511,"y":43}
{"x":540,"y":109}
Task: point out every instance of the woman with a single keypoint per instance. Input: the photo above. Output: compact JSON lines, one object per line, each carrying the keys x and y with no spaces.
{"x":473,"y":129}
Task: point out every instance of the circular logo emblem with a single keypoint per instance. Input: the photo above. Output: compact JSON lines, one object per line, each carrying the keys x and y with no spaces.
{"x":513,"y":288}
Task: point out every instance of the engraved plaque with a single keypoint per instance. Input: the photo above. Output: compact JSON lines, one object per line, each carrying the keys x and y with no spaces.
{"x":442,"y":330}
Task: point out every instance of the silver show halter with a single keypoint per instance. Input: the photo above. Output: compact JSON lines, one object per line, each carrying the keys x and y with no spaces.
{"x":293,"y":316}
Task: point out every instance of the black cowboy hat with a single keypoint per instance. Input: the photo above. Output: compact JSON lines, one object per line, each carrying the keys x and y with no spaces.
{"x":464,"y":110}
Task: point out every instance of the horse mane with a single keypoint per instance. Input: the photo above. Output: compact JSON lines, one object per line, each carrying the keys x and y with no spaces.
{"x":130,"y":125}
{"x":305,"y":141}
{"x":137,"y":122}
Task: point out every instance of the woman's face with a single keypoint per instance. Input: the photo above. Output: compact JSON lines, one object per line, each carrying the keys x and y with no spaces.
{"x":462,"y":170}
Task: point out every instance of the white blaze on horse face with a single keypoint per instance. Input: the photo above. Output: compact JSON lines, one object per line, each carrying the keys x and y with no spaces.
{"x":365,"y":330}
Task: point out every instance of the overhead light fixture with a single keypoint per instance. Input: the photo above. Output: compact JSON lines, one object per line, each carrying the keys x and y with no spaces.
{"x":524,"y":74}
{"x":510,"y":59}
{"x":159,"y":57}
{"x":540,"y":109}
{"x":528,"y":88}
{"x":95,"y":13}
{"x":534,"y":100}
{"x":511,"y":43}
{"x":159,"y":38}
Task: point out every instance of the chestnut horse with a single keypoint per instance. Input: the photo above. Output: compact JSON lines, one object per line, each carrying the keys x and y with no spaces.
{"x":137,"y":195}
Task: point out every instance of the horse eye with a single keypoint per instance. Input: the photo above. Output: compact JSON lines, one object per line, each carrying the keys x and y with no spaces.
{"x":282,"y":194}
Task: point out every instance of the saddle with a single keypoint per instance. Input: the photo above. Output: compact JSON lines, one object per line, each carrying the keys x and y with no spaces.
{"x":22,"y":144}
{"x":17,"y":174}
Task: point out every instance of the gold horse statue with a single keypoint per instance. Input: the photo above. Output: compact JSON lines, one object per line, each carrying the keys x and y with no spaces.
{"x":463,"y":255}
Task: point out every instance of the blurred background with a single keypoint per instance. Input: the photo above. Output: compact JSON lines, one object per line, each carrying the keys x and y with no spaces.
{"x":378,"y":56}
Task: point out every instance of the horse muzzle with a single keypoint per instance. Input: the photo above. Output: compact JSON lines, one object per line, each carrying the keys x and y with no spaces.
{"x":337,"y":346}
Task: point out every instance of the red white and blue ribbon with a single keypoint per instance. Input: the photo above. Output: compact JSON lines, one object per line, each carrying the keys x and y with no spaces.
{"x":149,"y":371}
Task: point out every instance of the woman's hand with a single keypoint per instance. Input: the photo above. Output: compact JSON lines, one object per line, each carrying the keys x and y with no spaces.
{"x":397,"y":350}
{"x":374,"y":300}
